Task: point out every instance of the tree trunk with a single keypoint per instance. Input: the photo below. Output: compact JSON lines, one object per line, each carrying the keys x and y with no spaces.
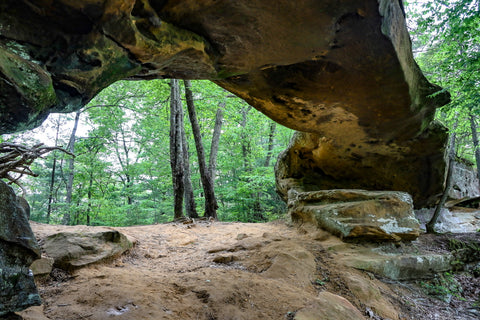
{"x":52,"y":179}
{"x":271,"y":136}
{"x":71,"y":167}
{"x":245,"y":142}
{"x":176,"y":161}
{"x":76,"y":216}
{"x":128,"y":188}
{"x":212,"y":165}
{"x":125,"y":164}
{"x":473,"y":127}
{"x":430,"y":226}
{"x":207,"y":181}
{"x":52,"y":183}
{"x":190,"y":207}
{"x":89,"y":197}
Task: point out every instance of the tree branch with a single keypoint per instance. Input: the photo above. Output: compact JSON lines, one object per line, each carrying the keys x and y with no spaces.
{"x":17,"y":158}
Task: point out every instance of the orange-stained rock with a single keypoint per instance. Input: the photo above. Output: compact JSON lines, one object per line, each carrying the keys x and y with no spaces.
{"x":329,"y":306}
{"x":341,"y":71}
{"x":357,"y":214}
{"x":73,"y":250}
{"x":416,"y":166}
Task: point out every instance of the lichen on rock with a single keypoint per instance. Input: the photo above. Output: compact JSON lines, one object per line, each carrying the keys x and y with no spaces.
{"x":18,"y":249}
{"x":357,"y":214}
{"x":72,"y":250}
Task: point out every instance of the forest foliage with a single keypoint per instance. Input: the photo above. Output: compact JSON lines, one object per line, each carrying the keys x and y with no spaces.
{"x":121,"y":172}
{"x":446,"y":45}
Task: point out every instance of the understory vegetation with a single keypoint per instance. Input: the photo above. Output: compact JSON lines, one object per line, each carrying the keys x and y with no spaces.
{"x":446,"y":45}
{"x":121,"y":174}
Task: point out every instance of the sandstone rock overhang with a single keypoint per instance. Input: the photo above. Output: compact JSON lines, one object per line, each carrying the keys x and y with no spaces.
{"x":341,"y":71}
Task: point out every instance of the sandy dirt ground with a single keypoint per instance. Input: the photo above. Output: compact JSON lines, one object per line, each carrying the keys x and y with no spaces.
{"x":213,"y":270}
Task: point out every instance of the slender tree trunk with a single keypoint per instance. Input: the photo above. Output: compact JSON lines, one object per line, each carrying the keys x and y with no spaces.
{"x":473,"y":127}
{"x":245,"y":142}
{"x":176,"y":161}
{"x":76,"y":216}
{"x":430,"y":226}
{"x":128,"y":188}
{"x":255,"y":206}
{"x":207,"y":181}
{"x":125,"y":164}
{"x":212,"y":164}
{"x":89,"y":197}
{"x":271,"y":136}
{"x":71,"y":167}
{"x":52,"y":183}
{"x":52,"y":177}
{"x":190,"y":207}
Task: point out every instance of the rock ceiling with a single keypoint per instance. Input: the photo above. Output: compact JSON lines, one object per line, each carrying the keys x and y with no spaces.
{"x":342,"y":72}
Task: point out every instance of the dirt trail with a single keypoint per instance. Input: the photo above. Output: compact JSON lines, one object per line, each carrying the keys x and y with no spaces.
{"x":213,"y":270}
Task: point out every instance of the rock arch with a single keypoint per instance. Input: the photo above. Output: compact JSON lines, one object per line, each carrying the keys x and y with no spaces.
{"x":341,"y":72}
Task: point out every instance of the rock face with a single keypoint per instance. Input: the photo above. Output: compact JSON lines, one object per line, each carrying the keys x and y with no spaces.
{"x":71,"y":250}
{"x":357,"y":214}
{"x":343,"y":72}
{"x":18,"y":249}
{"x":329,"y":307}
{"x":451,"y":220}
{"x":312,"y":162}
{"x":466,"y":182}
{"x":371,"y":295}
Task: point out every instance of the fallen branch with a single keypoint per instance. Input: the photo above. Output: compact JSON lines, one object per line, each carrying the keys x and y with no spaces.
{"x":16,"y":159}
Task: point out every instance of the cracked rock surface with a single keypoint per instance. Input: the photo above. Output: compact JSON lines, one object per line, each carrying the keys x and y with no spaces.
{"x":18,"y":249}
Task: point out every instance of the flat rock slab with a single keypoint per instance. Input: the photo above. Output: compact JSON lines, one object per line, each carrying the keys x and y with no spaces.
{"x":428,"y":256}
{"x":357,"y":214}
{"x":71,"y":250}
{"x":404,"y":267}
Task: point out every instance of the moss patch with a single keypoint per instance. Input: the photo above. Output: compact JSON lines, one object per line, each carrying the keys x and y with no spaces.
{"x":32,"y":82}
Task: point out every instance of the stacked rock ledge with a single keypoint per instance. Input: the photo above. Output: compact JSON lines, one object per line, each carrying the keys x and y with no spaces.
{"x":357,"y":214}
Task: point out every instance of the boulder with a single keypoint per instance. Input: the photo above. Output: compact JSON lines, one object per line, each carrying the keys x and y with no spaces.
{"x":42,"y":266}
{"x":465,"y":181}
{"x":357,"y":214}
{"x":72,"y":250}
{"x":329,"y":306}
{"x":18,"y":249}
{"x":451,"y":220}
